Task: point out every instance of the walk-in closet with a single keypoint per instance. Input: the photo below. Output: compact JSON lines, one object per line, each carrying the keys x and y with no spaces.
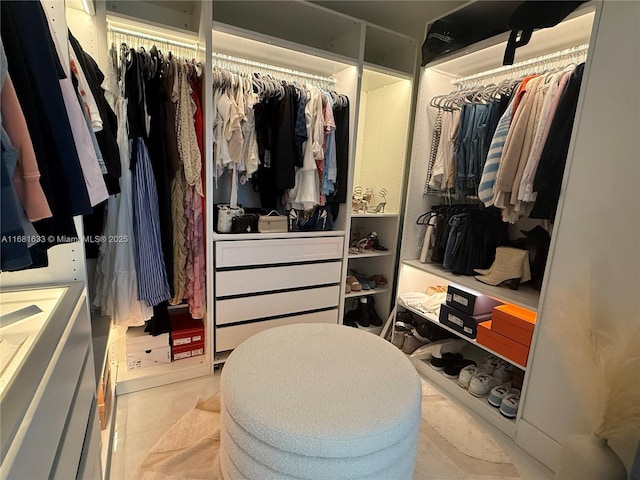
{"x":214,"y":173}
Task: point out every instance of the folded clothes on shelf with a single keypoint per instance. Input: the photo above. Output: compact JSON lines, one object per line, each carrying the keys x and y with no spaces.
{"x":425,"y":302}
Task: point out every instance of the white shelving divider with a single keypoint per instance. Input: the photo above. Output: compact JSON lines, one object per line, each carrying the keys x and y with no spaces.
{"x":414,"y":276}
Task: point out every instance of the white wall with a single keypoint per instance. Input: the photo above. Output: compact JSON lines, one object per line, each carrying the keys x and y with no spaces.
{"x":598,"y":233}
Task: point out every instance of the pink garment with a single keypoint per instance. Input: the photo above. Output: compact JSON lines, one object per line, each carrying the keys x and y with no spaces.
{"x":196,"y":283}
{"x":26,"y":178}
{"x":530,"y":174}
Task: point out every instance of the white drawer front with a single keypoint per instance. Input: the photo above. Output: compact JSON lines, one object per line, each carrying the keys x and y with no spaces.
{"x":282,"y":250}
{"x":260,"y":306}
{"x":237,"y":282}
{"x":228,"y":338}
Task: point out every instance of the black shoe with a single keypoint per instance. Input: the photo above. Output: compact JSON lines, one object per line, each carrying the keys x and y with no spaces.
{"x":375,"y":319}
{"x":362,"y":313}
{"x":453,"y":371}
{"x":350,"y":319}
{"x":447,"y":360}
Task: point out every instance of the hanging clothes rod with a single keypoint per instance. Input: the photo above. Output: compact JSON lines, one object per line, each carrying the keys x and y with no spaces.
{"x":526,"y":63}
{"x":264,"y":66}
{"x":144,"y":36}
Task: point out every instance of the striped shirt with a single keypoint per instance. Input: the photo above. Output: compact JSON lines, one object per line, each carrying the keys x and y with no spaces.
{"x":491,"y":166}
{"x":153,"y":286}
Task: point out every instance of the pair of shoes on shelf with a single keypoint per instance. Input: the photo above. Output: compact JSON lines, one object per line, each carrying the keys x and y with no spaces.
{"x":367,"y":244}
{"x":476,"y":381}
{"x":510,"y":265}
{"x":362,"y":200}
{"x":501,"y":371}
{"x":450,"y":364}
{"x":365,"y":313}
{"x":480,"y":380}
{"x":380,"y":207}
{"x":352,"y":285}
{"x":369,"y":282}
{"x":506,"y":399}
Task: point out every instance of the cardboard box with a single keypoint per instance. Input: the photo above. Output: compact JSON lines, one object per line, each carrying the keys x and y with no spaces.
{"x":461,"y":322}
{"x":188,"y":350}
{"x":148,"y":358}
{"x":469,"y":301}
{"x":503,"y":345}
{"x":184,"y":329}
{"x":138,"y":340}
{"x":514,"y":322}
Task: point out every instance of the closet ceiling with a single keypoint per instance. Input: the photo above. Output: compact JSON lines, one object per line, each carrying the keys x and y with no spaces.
{"x":404,"y":16}
{"x":408,"y":17}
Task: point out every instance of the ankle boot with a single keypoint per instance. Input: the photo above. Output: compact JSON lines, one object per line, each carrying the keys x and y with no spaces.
{"x":374,"y":318}
{"x":362,"y":313}
{"x":511,"y":264}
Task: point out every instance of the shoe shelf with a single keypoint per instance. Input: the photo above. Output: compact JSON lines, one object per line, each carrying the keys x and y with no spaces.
{"x":434,"y":319}
{"x":526,"y":296}
{"x":371,"y":254}
{"x":362,"y":293}
{"x":479,"y":405}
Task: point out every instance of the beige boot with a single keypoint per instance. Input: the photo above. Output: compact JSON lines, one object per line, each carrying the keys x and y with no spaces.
{"x":511,"y":264}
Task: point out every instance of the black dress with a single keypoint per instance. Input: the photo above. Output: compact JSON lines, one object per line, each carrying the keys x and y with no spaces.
{"x":548,"y":180}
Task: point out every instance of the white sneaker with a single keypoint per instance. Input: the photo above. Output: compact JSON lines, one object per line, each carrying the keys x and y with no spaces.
{"x":502,"y":373}
{"x":466,"y":374}
{"x":489,"y":364}
{"x":481,"y":384}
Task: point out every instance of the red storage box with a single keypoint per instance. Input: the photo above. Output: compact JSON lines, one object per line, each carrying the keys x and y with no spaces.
{"x":514,"y":322}
{"x":501,"y":344}
{"x":184,"y":329}
{"x":187,"y":351}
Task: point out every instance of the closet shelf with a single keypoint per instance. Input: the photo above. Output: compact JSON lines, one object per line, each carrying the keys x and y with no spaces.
{"x":434,"y":319}
{"x":374,"y":215}
{"x":372,"y":254}
{"x":362,"y":293}
{"x":142,"y":378}
{"x":526,"y":296}
{"x":478,"y":405}
{"x":216,"y":237}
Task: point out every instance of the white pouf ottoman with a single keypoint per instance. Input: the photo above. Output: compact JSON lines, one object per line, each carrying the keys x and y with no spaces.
{"x":318,"y":401}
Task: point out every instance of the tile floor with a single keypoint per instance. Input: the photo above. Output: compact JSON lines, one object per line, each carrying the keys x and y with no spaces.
{"x":143,"y":417}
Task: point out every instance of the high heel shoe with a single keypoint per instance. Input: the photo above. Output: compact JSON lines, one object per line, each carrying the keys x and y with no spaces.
{"x":367,"y":197}
{"x":510,"y":265}
{"x":375,"y":243}
{"x":357,"y":203}
{"x":380,"y":207}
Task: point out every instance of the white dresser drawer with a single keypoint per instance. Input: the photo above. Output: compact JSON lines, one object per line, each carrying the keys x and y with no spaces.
{"x":238,"y":282}
{"x":228,"y":338}
{"x":269,"y":305}
{"x":283,"y":250}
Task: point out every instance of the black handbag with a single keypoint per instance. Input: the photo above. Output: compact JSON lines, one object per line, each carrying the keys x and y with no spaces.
{"x":247,"y":223}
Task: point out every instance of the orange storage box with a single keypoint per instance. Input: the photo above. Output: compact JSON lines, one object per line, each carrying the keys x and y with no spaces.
{"x":514,"y":322}
{"x":501,"y":344}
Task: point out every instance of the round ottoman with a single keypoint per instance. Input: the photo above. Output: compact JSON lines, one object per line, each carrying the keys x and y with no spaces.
{"x":318,"y":401}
